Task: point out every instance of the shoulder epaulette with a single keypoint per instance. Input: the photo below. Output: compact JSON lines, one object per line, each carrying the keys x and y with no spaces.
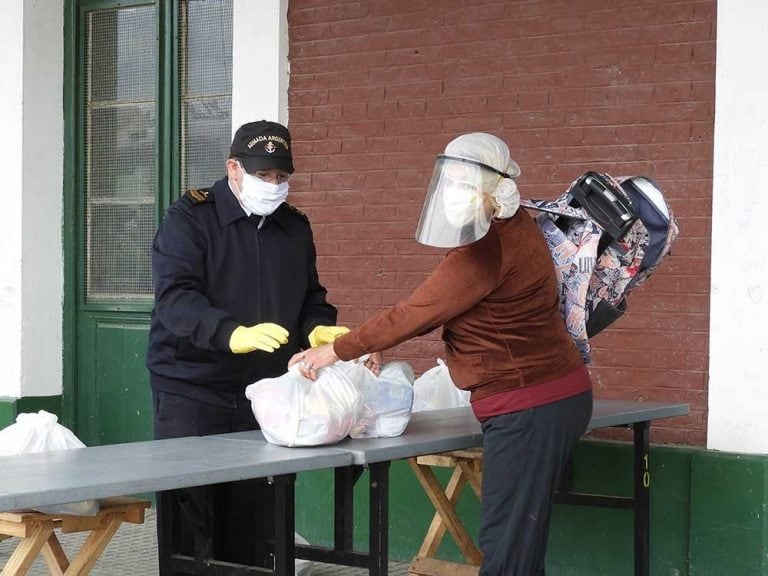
{"x":296,"y":211}
{"x":198,"y":196}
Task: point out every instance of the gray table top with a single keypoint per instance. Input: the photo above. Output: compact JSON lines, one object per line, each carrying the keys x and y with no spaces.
{"x":438,"y":431}
{"x":34,"y":480}
{"x":427,"y":433}
{"x":456,"y":429}
{"x":606,"y":413}
{"x":46,"y":478}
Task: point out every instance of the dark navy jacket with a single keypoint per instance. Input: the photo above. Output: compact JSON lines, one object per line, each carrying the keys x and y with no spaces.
{"x":214,"y":269}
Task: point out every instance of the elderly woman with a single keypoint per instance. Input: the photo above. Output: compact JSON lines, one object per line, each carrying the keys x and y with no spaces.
{"x":496,"y":297}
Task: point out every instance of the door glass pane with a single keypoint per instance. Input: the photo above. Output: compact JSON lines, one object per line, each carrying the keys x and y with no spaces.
{"x":112,"y":270}
{"x":207,"y":134}
{"x":125,"y":42}
{"x":122,"y":141}
{"x":120,"y":151}
{"x":205,"y":55}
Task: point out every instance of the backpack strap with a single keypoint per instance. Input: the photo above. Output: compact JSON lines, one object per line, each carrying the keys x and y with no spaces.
{"x":550,"y":207}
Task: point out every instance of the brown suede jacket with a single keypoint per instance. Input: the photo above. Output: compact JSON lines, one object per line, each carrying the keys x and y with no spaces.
{"x":498,"y":304}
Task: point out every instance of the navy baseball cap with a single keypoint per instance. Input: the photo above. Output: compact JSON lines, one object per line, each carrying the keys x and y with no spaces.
{"x":263,"y":145}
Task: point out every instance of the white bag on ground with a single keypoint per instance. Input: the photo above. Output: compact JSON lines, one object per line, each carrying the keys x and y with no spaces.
{"x":302,"y":567}
{"x":387,"y":402}
{"x":295,"y":411}
{"x":41,"y":432}
{"x":435,"y":390}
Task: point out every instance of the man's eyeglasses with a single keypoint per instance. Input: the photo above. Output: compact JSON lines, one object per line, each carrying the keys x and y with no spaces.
{"x":272,"y":176}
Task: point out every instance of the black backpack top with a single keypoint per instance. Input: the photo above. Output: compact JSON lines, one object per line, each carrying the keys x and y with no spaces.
{"x":606,"y":236}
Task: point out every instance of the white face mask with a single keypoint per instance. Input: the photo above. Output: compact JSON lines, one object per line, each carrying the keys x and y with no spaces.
{"x":461,"y":205}
{"x":261,"y":198}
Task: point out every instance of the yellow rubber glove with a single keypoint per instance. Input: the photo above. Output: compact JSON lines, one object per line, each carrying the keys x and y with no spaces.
{"x":265,"y":336}
{"x":325,"y":335}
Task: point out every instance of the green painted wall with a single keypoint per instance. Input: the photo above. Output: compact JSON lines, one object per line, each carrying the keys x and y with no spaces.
{"x":729,"y":497}
{"x":599,"y":542}
{"x":12,"y":407}
{"x":708,"y":514}
{"x":7,"y":411}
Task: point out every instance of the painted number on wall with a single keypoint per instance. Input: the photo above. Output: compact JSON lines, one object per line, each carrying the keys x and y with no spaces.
{"x":646,"y":473}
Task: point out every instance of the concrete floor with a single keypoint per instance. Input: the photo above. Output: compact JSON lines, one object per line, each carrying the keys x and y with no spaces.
{"x":133,"y":552}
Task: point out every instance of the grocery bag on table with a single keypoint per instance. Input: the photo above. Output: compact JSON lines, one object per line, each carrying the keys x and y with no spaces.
{"x":41,"y":432}
{"x":387,"y":401}
{"x":435,"y":390}
{"x":295,"y":411}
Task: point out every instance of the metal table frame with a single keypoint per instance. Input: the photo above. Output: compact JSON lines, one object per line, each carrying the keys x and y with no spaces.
{"x":447,"y":430}
{"x":59,"y":477}
{"x":639,"y":502}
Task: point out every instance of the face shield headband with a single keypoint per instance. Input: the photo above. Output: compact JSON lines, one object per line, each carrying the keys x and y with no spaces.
{"x":458,"y":208}
{"x":514,"y":168}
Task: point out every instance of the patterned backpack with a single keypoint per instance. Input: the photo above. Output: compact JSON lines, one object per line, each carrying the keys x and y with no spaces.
{"x":607,"y":236}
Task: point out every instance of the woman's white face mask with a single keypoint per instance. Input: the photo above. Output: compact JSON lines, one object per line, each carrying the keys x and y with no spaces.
{"x":260,"y":197}
{"x":461,"y":203}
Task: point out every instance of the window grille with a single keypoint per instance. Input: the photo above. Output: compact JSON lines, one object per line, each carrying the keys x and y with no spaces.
{"x":120,"y":152}
{"x":205,"y":71}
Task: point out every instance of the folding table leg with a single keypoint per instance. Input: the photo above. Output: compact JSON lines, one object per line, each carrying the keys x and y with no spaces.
{"x":642,"y":498}
{"x":285,"y":523}
{"x":54,"y":556}
{"x":93,"y":547}
{"x":474,"y":476}
{"x":378,"y":547}
{"x":344,"y":483}
{"x":448,"y":514}
{"x":436,"y":531}
{"x":26,"y":551}
{"x":165,"y":531}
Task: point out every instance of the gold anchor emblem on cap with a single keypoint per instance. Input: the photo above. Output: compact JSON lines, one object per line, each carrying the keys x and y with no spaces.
{"x":270,"y":147}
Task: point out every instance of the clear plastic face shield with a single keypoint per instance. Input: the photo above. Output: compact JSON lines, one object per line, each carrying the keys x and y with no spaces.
{"x":459,"y":206}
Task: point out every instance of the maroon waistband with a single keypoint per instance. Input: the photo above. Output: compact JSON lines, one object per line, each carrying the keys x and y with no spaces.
{"x":518,"y":399}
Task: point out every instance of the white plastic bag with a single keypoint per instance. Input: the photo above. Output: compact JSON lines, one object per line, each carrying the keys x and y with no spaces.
{"x":36,"y":433}
{"x":295,"y":411}
{"x":387,"y":402}
{"x":302,"y":567}
{"x":435,"y":390}
{"x":41,"y":432}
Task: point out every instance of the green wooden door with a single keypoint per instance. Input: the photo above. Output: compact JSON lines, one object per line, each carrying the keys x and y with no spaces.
{"x":148,"y":114}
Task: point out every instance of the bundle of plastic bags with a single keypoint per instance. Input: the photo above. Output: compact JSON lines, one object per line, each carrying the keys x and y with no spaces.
{"x":387,"y":402}
{"x":302,"y":567}
{"x":41,"y":432}
{"x":435,"y":390}
{"x":295,"y":411}
{"x":346,"y":399}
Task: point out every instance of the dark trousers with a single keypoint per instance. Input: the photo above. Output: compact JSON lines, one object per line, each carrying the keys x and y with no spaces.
{"x":229,"y":522}
{"x":525,"y":454}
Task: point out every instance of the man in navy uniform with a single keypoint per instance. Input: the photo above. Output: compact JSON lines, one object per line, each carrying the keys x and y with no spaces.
{"x":236,"y":295}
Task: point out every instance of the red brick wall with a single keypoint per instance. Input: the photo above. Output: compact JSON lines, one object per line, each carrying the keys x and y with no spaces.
{"x":378,"y":87}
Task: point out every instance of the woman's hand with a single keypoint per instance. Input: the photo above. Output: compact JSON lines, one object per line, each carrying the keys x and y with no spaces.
{"x":374,"y":362}
{"x":312,"y":360}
